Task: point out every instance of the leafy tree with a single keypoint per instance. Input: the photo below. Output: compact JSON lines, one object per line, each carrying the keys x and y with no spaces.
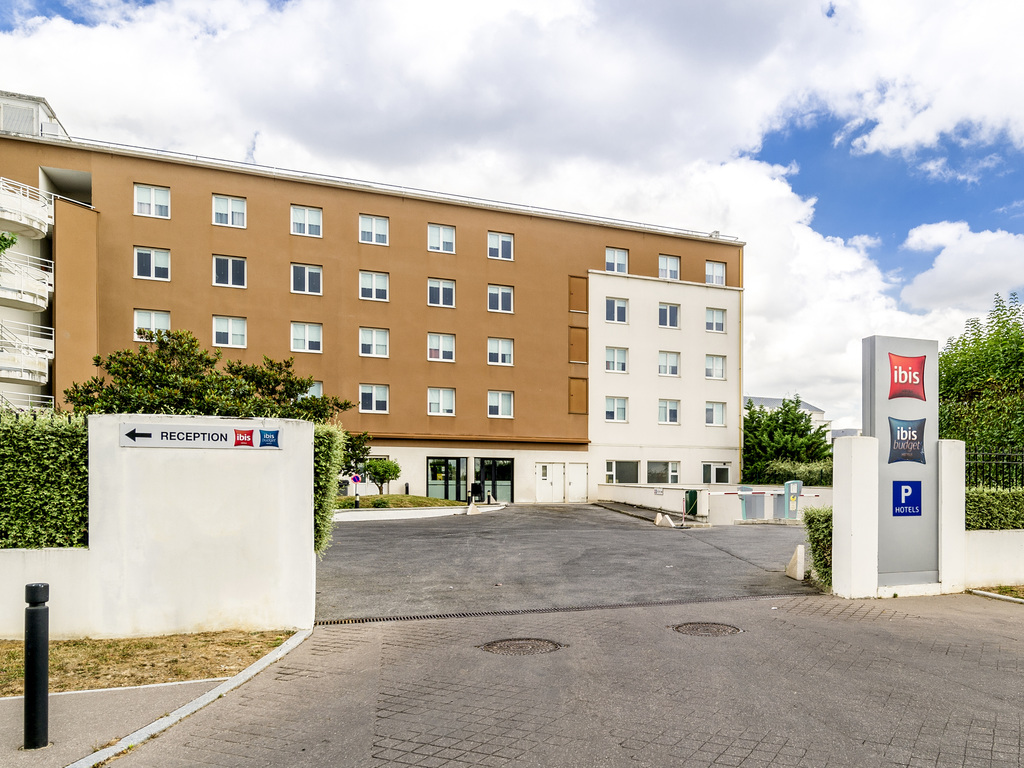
{"x":381,"y":471}
{"x":783,"y":433}
{"x":171,"y":372}
{"x":7,"y":240}
{"x":357,"y":450}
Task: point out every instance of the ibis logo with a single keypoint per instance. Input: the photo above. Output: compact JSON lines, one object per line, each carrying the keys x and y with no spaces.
{"x":906,"y":440}
{"x":906,"y":376}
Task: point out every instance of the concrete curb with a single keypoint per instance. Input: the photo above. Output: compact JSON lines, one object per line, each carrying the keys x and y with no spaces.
{"x":157,"y":726}
{"x":1007,"y":598}
{"x":370,"y":514}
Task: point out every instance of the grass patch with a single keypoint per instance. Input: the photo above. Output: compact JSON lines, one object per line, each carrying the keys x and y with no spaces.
{"x":79,"y":665}
{"x":396,"y":501}
{"x":1017,"y":591}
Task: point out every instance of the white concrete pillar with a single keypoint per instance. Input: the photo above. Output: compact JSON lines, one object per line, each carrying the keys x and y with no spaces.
{"x":952,"y":516}
{"x":855,"y":517}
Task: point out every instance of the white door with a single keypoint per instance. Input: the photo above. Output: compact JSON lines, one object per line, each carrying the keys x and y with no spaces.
{"x":576,"y":483}
{"x":550,"y":483}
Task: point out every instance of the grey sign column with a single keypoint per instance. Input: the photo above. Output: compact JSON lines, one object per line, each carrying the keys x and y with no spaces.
{"x":901,"y":409}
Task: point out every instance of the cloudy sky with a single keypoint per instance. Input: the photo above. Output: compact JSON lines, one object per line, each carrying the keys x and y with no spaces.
{"x":868,"y":152}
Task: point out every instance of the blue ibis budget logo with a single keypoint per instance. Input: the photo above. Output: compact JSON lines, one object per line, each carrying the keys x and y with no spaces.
{"x":906,"y":440}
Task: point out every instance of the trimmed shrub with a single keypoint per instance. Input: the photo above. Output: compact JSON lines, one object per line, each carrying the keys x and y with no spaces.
{"x":818,"y":523}
{"x":44,"y":480}
{"x":782,"y":471}
{"x":379,"y":502}
{"x":994,"y":509}
{"x":328,"y":448}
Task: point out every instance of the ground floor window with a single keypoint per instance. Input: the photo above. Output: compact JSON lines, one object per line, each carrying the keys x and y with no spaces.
{"x":622,"y":471}
{"x":715,"y":473}
{"x":663,"y":472}
{"x":446,"y":478}
{"x":494,"y":476}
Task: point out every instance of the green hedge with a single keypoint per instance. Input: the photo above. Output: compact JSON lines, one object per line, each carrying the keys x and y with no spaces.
{"x":994,"y":509}
{"x":44,"y":481}
{"x":818,"y":523}
{"x":328,"y":447}
{"x":814,"y":473}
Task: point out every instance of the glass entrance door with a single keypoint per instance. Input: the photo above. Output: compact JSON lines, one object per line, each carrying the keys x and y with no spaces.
{"x":496,"y":477}
{"x":446,"y":478}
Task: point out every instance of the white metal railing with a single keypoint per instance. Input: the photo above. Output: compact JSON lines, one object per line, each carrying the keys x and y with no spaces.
{"x":28,"y":279}
{"x":25,"y":401}
{"x":26,"y":338}
{"x":39,"y":268}
{"x":26,"y":203}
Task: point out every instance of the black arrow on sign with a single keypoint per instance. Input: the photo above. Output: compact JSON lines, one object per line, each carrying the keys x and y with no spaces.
{"x":133,"y":434}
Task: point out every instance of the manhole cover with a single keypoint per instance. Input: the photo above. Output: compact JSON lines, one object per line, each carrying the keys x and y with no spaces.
{"x":521,"y":646}
{"x":706,"y":629}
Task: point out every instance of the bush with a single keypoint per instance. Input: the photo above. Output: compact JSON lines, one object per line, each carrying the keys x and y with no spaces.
{"x":328,"y":447}
{"x":818,"y":523}
{"x":379,"y":502}
{"x":781,"y":471}
{"x":44,"y":481}
{"x":994,"y":509}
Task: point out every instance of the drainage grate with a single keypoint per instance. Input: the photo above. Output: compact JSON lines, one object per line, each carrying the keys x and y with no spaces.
{"x":521,"y":646}
{"x":706,"y":629}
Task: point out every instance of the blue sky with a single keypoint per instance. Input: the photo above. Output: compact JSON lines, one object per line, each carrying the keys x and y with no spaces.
{"x":867,"y":152}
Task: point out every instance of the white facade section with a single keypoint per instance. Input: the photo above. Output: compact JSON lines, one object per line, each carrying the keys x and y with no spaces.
{"x":641,"y":438}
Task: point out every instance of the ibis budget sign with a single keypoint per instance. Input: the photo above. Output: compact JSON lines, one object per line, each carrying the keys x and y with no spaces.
{"x":233,"y":436}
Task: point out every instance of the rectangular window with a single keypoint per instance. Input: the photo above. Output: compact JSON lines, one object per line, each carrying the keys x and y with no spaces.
{"x":307,"y":337}
{"x":714,"y":367}
{"x":499,"y":298}
{"x":668,"y":411}
{"x":668,"y":267}
{"x":228,"y":331}
{"x":616,"y":260}
{"x":373,"y":229}
{"x":373,"y":398}
{"x":440,"y":238}
{"x":152,"y":201}
{"x":440,"y":293}
{"x":440,"y":401}
{"x":229,"y":211}
{"x":307,"y":221}
{"x":316,"y":389}
{"x":668,"y":363}
{"x":308,"y":279}
{"x":151,"y":320}
{"x":714,"y":414}
{"x":666,"y":472}
{"x":615,"y":408}
{"x":668,"y":315}
{"x":622,"y":471}
{"x":499,"y":405}
{"x":714,"y":272}
{"x":229,"y":270}
{"x":499,"y":246}
{"x":715,"y":473}
{"x":499,"y":351}
{"x":373,"y":342}
{"x":615,"y":359}
{"x":441,"y":346}
{"x":714,"y":320}
{"x":373,"y":286}
{"x":615,"y":310}
{"x":152,"y":264}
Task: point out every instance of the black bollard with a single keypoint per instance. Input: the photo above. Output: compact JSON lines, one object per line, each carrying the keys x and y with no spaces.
{"x":37,"y":665}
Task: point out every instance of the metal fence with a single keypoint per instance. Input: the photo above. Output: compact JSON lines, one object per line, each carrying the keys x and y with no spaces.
{"x":995,"y":469}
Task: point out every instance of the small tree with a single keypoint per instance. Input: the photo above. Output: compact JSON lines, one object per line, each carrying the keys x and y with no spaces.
{"x":382,"y":471}
{"x":357,"y":450}
{"x":7,"y":240}
{"x":783,"y":433}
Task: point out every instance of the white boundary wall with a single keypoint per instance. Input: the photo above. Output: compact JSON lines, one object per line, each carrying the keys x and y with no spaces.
{"x":180,"y":539}
{"x":994,"y":558}
{"x":717,"y":505}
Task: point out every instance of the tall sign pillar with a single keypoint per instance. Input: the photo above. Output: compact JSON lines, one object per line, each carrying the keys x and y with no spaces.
{"x":901,"y":410}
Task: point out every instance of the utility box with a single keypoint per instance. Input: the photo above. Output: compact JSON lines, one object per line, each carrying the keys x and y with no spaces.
{"x":751,"y":504}
{"x":787,"y":504}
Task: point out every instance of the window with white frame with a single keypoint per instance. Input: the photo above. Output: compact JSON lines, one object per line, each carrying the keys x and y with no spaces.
{"x":440,"y":401}
{"x":152,"y":201}
{"x":373,"y":229}
{"x":307,"y":221}
{"x":615,"y":408}
{"x":373,"y":342}
{"x":229,"y":271}
{"x":616,"y":260}
{"x":307,"y":337}
{"x":151,"y":320}
{"x":668,"y":315}
{"x":373,"y":398}
{"x":666,"y":472}
{"x":441,"y":347}
{"x":668,"y":363}
{"x":714,"y":414}
{"x":307,"y":279}
{"x":152,"y":264}
{"x":622,"y":471}
{"x":714,"y":366}
{"x":668,"y":267}
{"x":229,"y":211}
{"x":440,"y":293}
{"x":499,"y":246}
{"x":499,"y":404}
{"x":499,"y":298}
{"x":316,"y":389}
{"x":714,"y":320}
{"x":499,"y":351}
{"x":714,"y":272}
{"x":615,"y":310}
{"x":228,"y":331}
{"x":373,"y":286}
{"x":440,"y":238}
{"x":615,"y":359}
{"x":668,"y":411}
{"x":714,"y":472}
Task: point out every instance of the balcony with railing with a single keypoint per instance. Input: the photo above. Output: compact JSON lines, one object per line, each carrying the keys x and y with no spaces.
{"x":25,"y":401}
{"x":25,"y":352}
{"x":25,"y":211}
{"x":26,"y":282}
